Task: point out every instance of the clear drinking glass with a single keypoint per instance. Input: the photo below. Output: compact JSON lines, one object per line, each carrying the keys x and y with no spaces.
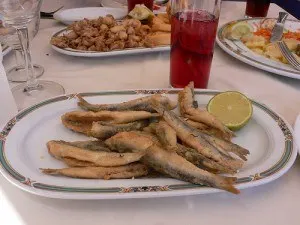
{"x":18,"y":72}
{"x":18,"y":14}
{"x":194,"y":27}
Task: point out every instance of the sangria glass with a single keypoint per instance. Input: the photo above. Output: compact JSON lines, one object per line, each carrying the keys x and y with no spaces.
{"x":194,"y":26}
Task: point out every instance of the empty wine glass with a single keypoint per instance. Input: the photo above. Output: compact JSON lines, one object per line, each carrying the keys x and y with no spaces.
{"x":17,"y":14}
{"x":17,"y":73}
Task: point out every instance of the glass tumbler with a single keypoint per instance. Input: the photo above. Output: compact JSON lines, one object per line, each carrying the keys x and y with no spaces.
{"x":194,"y":26}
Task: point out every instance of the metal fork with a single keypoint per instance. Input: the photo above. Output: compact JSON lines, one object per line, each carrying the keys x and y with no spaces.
{"x":288,"y":55}
{"x":49,"y":14}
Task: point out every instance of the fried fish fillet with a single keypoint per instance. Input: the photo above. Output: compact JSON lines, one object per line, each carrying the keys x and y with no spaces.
{"x":139,"y":104}
{"x":104,"y":131}
{"x":60,"y":150}
{"x":106,"y":173}
{"x":168,"y":162}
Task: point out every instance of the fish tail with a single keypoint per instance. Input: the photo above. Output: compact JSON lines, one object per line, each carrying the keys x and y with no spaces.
{"x":50,"y":171}
{"x":228,"y":185}
{"x":82,"y":102}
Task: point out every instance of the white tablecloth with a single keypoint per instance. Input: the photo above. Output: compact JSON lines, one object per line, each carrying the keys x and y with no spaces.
{"x":275,"y":203}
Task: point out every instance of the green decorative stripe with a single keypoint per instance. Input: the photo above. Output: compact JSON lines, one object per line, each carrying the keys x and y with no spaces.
{"x":27,"y":181}
{"x":77,"y":189}
{"x":4,"y":163}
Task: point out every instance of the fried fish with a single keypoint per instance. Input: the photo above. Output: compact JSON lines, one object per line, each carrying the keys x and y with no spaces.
{"x":139,"y":104}
{"x":60,"y":150}
{"x":106,"y":173}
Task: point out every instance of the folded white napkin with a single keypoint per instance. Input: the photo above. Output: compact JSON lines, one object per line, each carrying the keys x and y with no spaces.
{"x":8,"y":107}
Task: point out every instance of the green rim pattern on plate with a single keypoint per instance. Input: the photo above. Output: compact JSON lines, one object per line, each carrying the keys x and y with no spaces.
{"x":27,"y":181}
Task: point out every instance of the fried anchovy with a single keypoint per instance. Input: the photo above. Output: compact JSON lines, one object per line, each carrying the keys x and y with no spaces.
{"x":60,"y":151}
{"x":102,"y":131}
{"x":166,"y":135}
{"x":89,"y":145}
{"x":168,"y":162}
{"x":186,"y":99}
{"x":201,"y":161}
{"x":207,"y":129}
{"x":108,"y":116}
{"x":140,"y":104}
{"x":106,"y":173}
{"x":195,"y":140}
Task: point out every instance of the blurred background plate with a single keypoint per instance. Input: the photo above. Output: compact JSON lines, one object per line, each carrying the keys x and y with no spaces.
{"x":69,"y":16}
{"x":158,"y":7}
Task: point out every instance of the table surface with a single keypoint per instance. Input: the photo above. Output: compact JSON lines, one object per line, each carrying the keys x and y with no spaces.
{"x":273,"y":203}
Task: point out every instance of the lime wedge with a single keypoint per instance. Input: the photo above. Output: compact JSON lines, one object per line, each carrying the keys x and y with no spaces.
{"x":141,"y":12}
{"x":232,"y":108}
{"x":238,"y":30}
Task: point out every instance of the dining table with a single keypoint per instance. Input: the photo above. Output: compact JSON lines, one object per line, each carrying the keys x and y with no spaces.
{"x":274,"y":203}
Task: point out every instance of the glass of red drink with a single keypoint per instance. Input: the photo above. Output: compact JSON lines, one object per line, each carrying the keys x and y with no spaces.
{"x":147,"y":3}
{"x":257,"y":8}
{"x":194,"y":27}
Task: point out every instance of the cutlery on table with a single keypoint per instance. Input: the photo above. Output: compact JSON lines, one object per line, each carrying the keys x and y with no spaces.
{"x":277,"y":31}
{"x":288,"y":55}
{"x":276,"y":36}
{"x":49,"y":15}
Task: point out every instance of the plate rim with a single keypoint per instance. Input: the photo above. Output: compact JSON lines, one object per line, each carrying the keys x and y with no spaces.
{"x":128,"y":51}
{"x":251,"y":61}
{"x":6,"y":49}
{"x":58,"y":15}
{"x":26,"y":184}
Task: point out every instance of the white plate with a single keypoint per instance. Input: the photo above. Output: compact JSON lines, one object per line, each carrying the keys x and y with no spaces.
{"x":69,"y":16}
{"x":23,"y":151}
{"x":238,"y":50}
{"x":123,"y":4}
{"x":128,"y":51}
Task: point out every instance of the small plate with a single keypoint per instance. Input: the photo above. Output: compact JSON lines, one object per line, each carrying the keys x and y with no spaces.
{"x":23,"y":151}
{"x":69,"y":16}
{"x":238,"y":50}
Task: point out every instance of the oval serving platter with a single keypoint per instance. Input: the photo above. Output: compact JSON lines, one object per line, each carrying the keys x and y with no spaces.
{"x":23,"y":151}
{"x":127,"y":51}
{"x":239,"y":51}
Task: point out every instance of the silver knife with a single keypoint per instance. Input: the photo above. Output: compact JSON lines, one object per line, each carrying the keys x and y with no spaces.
{"x":278,"y":28}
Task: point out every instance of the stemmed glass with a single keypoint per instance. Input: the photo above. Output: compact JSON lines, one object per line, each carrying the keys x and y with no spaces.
{"x":17,"y":14}
{"x":17,"y":73}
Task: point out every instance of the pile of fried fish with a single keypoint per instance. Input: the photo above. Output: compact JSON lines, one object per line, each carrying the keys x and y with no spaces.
{"x":142,"y":135}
